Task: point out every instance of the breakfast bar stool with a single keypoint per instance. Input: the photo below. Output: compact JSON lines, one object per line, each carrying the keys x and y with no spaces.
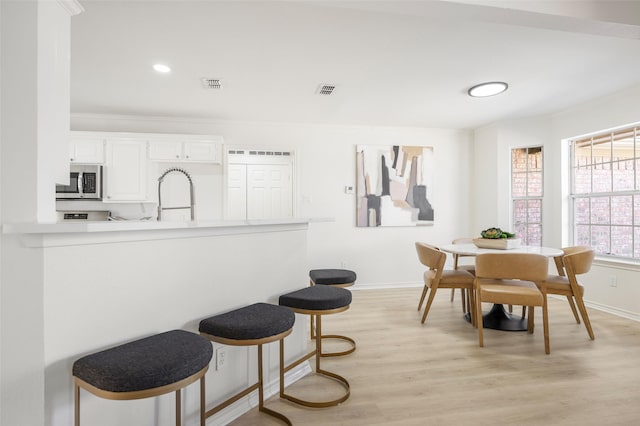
{"x":317,"y":300}
{"x":145,"y":368}
{"x":252,"y":325}
{"x":335,"y":278}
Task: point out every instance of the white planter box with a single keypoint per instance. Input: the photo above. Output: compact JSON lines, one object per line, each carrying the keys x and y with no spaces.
{"x":497,"y":243}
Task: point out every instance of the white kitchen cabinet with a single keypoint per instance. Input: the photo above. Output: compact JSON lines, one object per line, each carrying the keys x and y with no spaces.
{"x":125,"y":170}
{"x":86,"y":150}
{"x":203,"y":151}
{"x":165,"y":150}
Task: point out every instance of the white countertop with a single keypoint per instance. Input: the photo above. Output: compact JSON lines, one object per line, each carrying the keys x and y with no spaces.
{"x":142,"y":225}
{"x":104,"y":232}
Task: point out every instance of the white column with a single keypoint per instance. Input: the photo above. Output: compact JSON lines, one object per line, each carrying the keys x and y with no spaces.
{"x":34,"y":118}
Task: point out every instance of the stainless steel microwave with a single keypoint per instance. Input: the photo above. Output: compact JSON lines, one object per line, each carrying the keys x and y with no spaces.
{"x":85,"y":183}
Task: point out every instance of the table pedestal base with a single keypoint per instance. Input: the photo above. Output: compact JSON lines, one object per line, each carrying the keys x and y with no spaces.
{"x":499,"y":319}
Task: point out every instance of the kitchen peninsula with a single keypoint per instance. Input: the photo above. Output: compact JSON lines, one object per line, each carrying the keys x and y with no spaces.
{"x":105,"y":283}
{"x":95,"y":232}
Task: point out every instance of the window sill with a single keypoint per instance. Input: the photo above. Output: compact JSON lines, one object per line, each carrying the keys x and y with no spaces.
{"x":616,"y":263}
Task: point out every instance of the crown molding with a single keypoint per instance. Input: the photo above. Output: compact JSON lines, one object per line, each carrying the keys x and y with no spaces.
{"x":72,"y":6}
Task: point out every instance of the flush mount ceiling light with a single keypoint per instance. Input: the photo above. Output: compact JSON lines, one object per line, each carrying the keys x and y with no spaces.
{"x":161,"y":68}
{"x":488,"y":89}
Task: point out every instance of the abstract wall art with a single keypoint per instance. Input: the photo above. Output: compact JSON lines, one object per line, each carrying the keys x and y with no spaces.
{"x":394,"y":185}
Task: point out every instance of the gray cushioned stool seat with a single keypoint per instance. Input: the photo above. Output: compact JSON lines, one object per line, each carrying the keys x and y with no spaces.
{"x":316,"y":301}
{"x":251,"y":322}
{"x":147,"y":363}
{"x":317,"y":298}
{"x":253,"y":325}
{"x":332,"y":276}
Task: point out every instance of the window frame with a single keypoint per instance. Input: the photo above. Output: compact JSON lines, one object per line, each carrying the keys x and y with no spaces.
{"x":613,"y":164}
{"x":540,"y":198}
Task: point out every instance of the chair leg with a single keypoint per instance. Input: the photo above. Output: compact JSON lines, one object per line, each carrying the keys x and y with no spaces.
{"x":464,"y":302}
{"x":524,"y":311}
{"x":453,"y":293}
{"x":260,"y":383}
{"x":312,"y":333}
{"x":545,"y":323}
{"x":203,"y":417}
{"x":479,"y":318}
{"x":432,"y":294}
{"x":510,"y":308}
{"x":530,"y":325}
{"x":471,"y":306}
{"x":77,"y":405}
{"x":585,"y":316}
{"x":424,"y":293}
{"x":573,"y":309}
{"x":178,"y":408}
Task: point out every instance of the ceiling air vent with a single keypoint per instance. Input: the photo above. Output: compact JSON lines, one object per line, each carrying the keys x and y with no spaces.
{"x":212,"y":83}
{"x":326,"y":89}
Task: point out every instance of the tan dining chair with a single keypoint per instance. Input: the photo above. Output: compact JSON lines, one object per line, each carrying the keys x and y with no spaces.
{"x":512,"y":278}
{"x":561,"y":273}
{"x":438,"y":277}
{"x":471,"y":268}
{"x":576,"y":261}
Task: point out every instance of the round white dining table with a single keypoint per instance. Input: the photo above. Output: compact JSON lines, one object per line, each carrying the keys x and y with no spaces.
{"x":498,"y":318}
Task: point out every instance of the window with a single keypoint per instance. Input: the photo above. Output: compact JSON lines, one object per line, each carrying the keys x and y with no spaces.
{"x":526,"y":194}
{"x":605,"y":192}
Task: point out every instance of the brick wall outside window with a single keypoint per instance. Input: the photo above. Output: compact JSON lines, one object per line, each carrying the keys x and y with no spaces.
{"x":605,"y":190}
{"x":526,"y":194}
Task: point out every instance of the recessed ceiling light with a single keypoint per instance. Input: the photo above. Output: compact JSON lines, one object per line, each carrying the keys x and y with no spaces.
{"x":488,"y":89}
{"x":161,"y":68}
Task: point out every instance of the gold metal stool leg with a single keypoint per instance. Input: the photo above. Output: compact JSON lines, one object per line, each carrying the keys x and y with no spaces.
{"x":319,"y":371}
{"x":332,"y":336}
{"x":261,"y":406}
{"x":259,"y":385}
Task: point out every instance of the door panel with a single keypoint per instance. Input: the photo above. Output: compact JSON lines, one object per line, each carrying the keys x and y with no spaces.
{"x":236,"y":192}
{"x":269,"y":191}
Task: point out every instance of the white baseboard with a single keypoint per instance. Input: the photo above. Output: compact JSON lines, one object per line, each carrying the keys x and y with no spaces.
{"x":250,"y":401}
{"x":615,"y":311}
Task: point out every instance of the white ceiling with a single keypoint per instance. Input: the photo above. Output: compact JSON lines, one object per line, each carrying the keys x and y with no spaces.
{"x":396,"y":63}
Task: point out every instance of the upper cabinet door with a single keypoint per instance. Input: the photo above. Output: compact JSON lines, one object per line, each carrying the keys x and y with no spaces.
{"x":165,"y":150}
{"x":204,"y":151}
{"x":86,"y":150}
{"x":125,"y":170}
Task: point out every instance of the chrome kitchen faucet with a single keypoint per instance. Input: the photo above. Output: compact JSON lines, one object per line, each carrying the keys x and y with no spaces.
{"x":192,"y":198}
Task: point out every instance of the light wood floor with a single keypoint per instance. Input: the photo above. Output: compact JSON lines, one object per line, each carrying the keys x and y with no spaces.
{"x":405,"y":373}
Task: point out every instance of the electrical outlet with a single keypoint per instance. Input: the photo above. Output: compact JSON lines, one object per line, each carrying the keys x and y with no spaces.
{"x":221,"y":358}
{"x":613,"y":281}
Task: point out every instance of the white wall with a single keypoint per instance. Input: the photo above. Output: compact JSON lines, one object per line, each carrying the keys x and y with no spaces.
{"x":112,"y":293}
{"x":616,"y":110}
{"x":325,"y":163}
{"x":495,"y":142}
